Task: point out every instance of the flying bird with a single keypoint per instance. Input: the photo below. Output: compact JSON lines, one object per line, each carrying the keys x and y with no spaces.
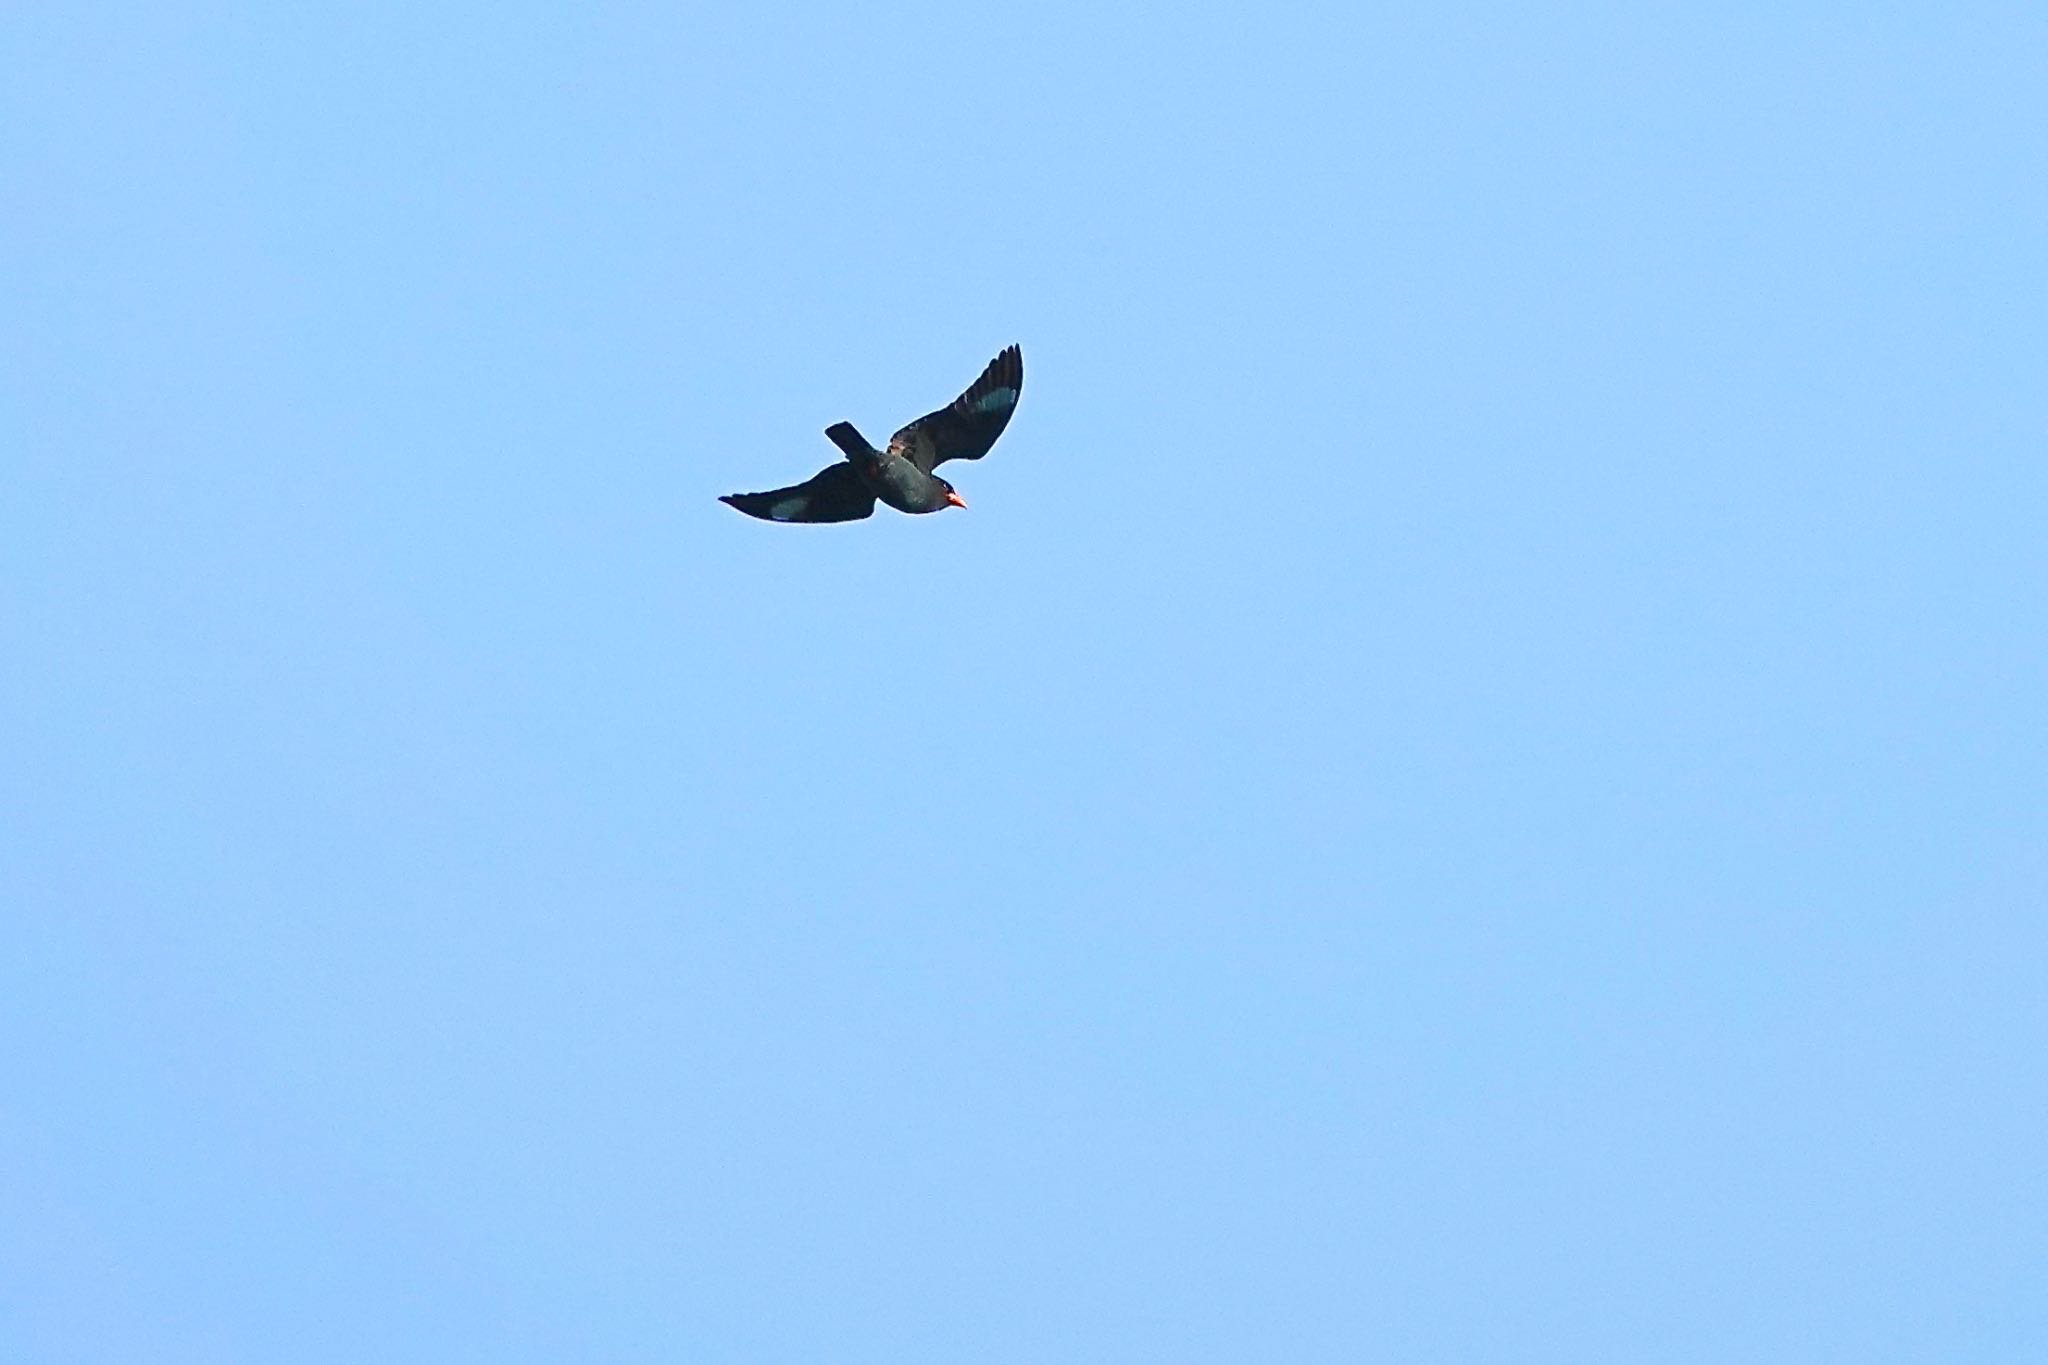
{"x":901,"y":475}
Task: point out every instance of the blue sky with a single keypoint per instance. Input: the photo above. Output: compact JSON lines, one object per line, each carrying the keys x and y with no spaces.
{"x":1471,"y":787}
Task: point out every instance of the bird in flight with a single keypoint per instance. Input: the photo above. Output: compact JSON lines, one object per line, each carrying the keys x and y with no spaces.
{"x":901,"y":475}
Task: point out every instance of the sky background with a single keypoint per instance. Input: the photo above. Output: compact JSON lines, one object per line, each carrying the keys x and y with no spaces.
{"x":1473,"y":787}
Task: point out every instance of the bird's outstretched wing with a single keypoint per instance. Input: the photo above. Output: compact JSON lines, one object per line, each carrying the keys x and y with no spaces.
{"x":966,"y":427}
{"x":834,"y":494}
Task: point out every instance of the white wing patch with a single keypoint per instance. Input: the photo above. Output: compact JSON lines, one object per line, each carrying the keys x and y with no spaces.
{"x":787,"y":508}
{"x":995,"y":400}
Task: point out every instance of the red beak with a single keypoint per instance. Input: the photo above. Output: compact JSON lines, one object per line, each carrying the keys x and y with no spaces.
{"x":955,"y":498}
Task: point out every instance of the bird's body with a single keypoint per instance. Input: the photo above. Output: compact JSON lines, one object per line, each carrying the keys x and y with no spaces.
{"x":901,"y":475}
{"x":890,"y":475}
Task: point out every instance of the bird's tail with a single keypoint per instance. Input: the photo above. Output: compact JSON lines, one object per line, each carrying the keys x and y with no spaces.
{"x":852,"y":442}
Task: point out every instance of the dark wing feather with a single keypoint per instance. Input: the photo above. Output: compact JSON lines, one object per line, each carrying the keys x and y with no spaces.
{"x":966,"y":427}
{"x":835,"y":494}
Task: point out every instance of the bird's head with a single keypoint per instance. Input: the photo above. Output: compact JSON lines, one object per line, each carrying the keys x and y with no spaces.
{"x":952,"y":494}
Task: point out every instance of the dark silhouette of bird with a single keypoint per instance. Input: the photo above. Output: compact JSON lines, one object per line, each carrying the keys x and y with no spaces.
{"x":901,"y":475}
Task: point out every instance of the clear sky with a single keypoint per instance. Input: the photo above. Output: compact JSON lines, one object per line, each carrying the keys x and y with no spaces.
{"x":1473,"y":785}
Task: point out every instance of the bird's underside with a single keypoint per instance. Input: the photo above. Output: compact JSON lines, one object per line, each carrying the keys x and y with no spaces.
{"x":903,"y":475}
